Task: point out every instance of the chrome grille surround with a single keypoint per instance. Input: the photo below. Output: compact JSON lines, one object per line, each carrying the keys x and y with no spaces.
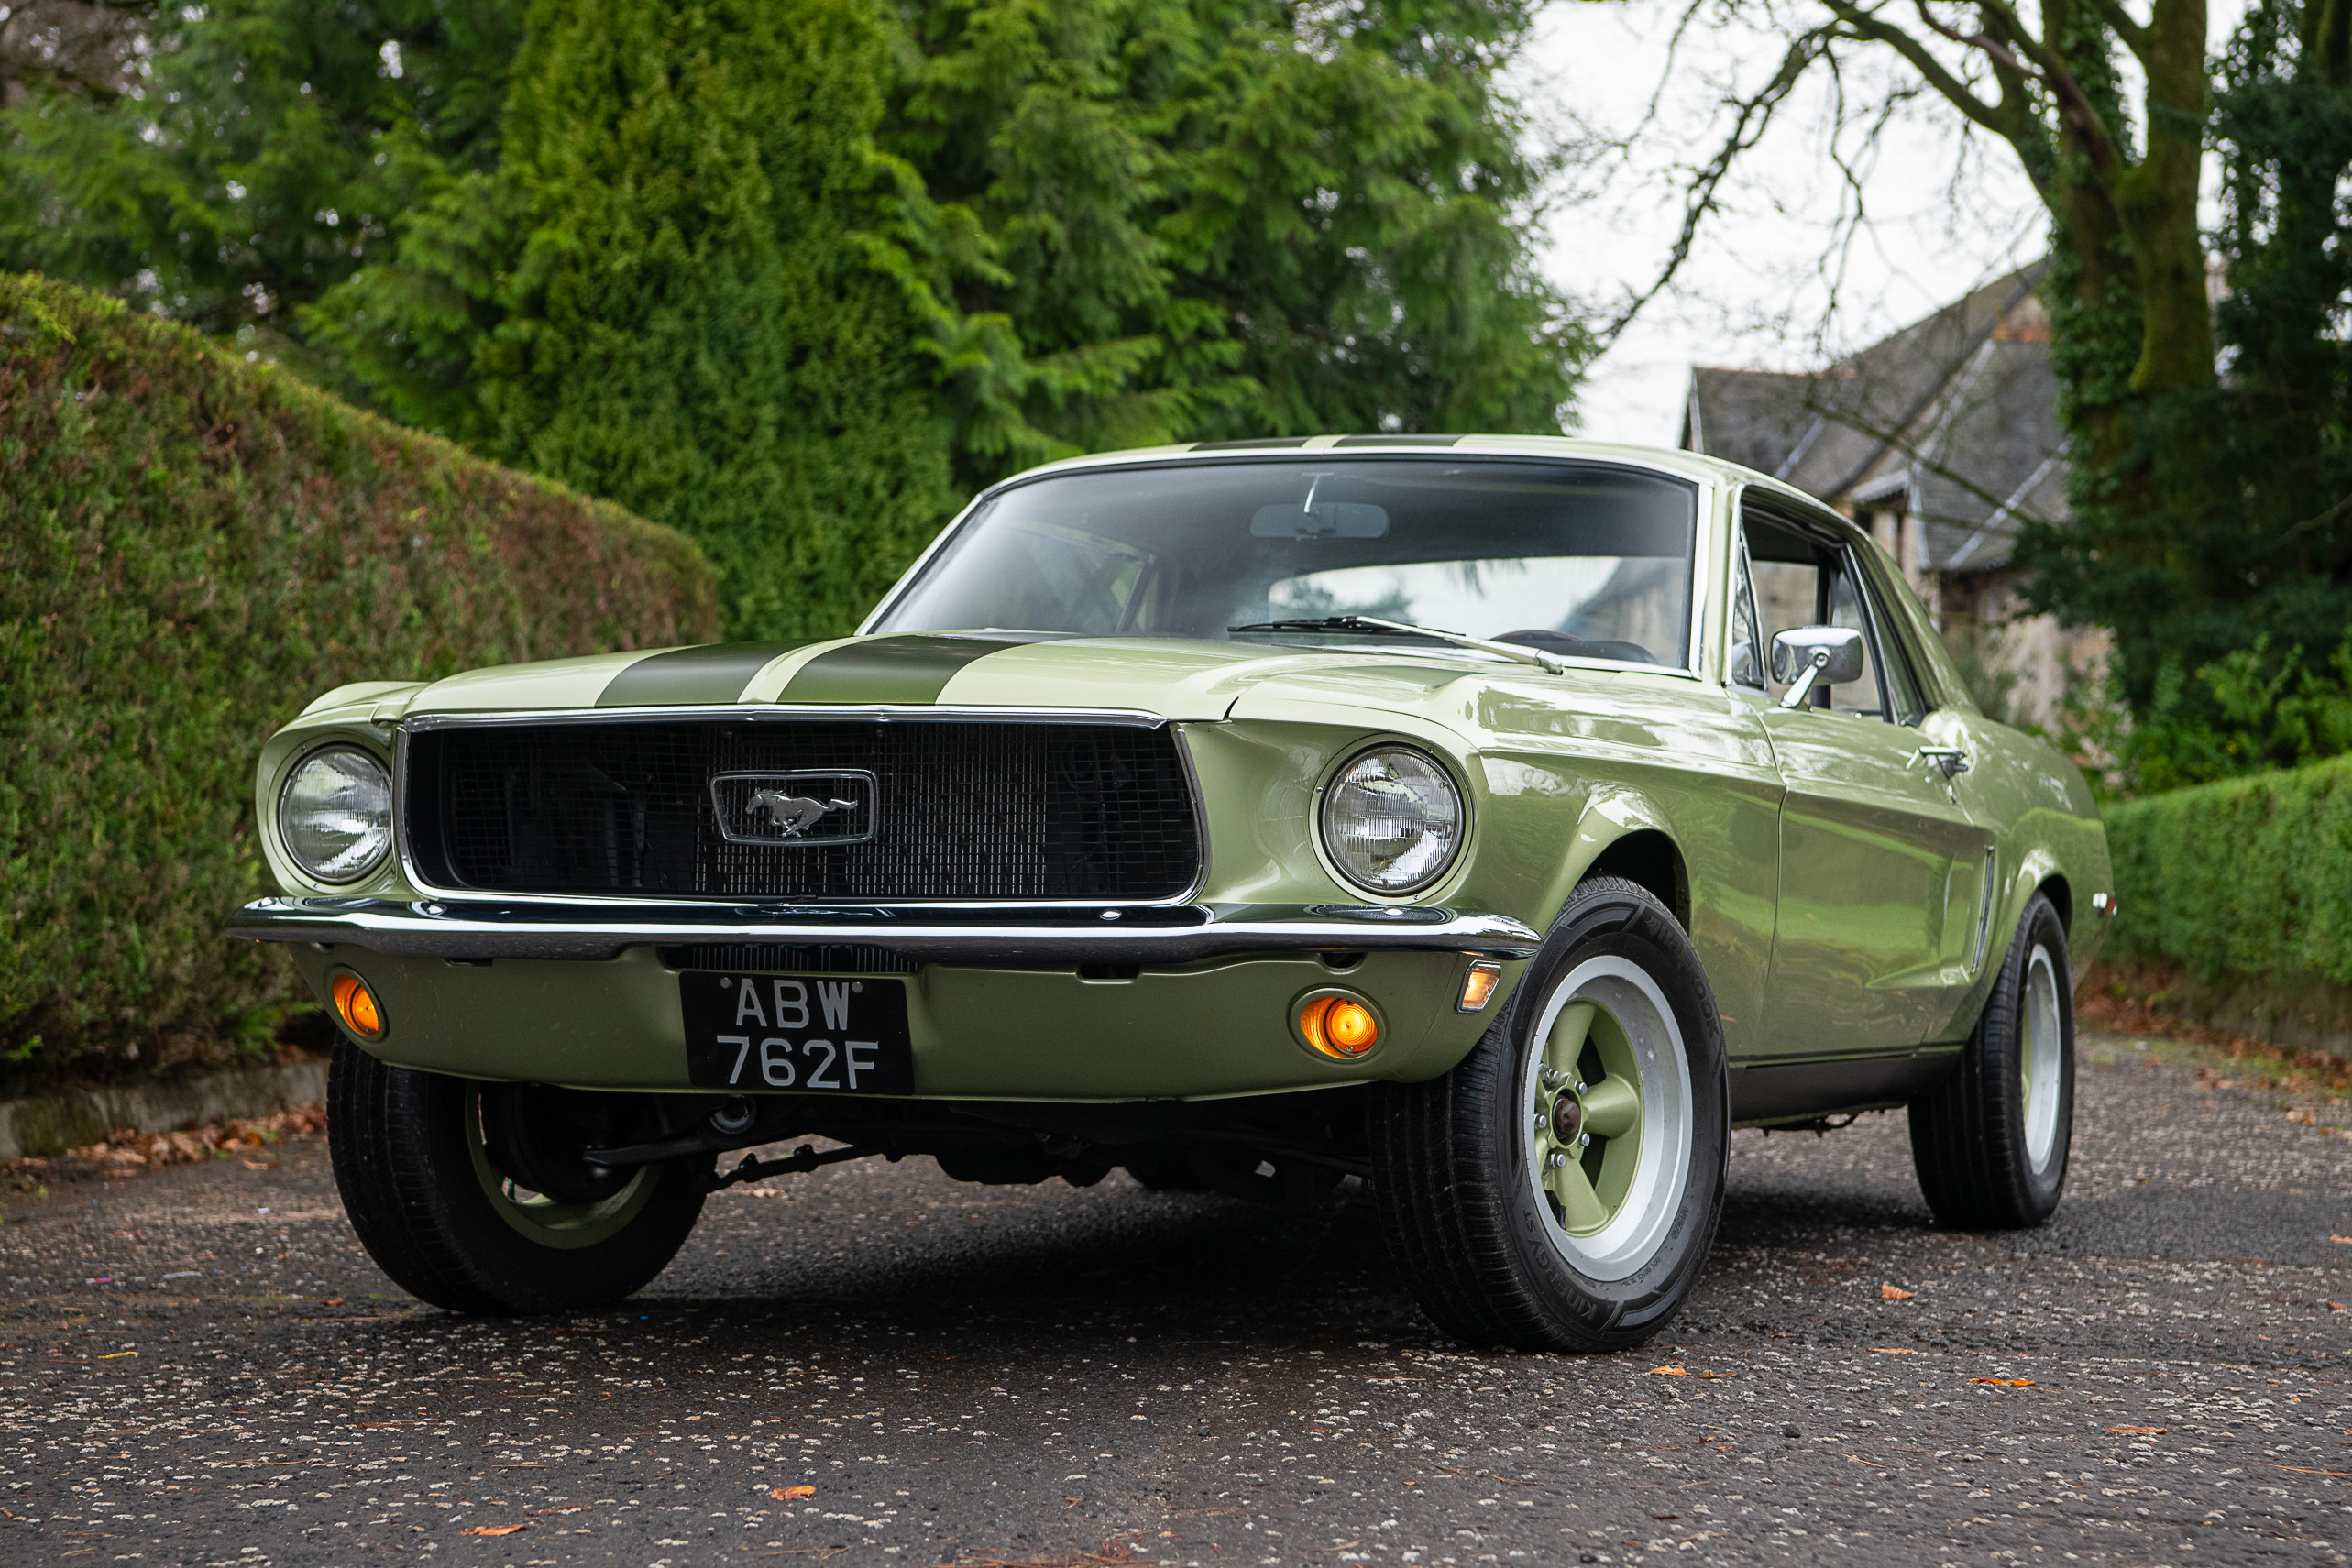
{"x":973,"y":807}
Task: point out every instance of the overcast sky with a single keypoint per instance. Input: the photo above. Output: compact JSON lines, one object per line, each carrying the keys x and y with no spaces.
{"x":1757,"y":292}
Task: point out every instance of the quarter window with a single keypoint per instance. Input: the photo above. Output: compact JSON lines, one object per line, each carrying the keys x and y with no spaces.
{"x":1748,"y":652}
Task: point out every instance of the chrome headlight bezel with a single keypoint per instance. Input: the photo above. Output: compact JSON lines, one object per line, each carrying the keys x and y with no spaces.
{"x":1427,"y":770}
{"x":369,"y":770}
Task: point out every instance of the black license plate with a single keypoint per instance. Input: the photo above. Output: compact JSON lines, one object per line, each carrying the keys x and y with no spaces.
{"x":807,"y":1033}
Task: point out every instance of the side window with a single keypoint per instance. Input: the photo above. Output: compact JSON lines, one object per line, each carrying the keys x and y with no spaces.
{"x":1803,"y":581}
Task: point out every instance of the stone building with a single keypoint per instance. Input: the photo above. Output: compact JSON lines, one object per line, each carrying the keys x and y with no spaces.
{"x":1940,"y":440}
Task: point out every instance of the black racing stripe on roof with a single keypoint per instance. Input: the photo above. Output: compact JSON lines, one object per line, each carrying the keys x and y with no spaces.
{"x":1396,"y":441}
{"x":715,"y":671}
{"x":1261,"y":443}
{"x":909,"y":669}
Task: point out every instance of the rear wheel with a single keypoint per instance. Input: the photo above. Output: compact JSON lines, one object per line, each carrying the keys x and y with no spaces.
{"x":422,"y":1162}
{"x":1558,"y":1189}
{"x":1990,"y":1145}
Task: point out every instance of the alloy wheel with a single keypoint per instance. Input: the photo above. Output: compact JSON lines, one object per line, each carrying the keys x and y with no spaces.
{"x":1606,"y":1100}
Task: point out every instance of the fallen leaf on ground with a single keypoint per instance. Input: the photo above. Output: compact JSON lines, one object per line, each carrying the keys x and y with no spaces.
{"x":1890,"y":1350}
{"x":1666,"y":1517}
{"x":494,"y":1529}
{"x":1667,"y":1372}
{"x":788,"y":1493}
{"x":1719,"y":1374}
{"x":2345,"y":1240}
{"x":2335,"y":1306}
{"x":2005,"y":1382}
{"x":1894,"y":1293}
{"x":2140,"y":1431}
{"x":261,"y":1164}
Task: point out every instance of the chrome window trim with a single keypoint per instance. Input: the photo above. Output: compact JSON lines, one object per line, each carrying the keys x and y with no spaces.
{"x":785,"y":712}
{"x":1708,"y":492}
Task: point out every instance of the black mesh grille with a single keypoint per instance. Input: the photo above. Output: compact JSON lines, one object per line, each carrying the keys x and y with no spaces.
{"x":962,"y":809}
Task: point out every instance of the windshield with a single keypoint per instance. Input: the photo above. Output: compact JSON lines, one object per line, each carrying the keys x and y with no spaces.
{"x":1581,"y":560}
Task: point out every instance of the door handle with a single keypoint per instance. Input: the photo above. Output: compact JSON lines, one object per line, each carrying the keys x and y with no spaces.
{"x":1953,"y":760}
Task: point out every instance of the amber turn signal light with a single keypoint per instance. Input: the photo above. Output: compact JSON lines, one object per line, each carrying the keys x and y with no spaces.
{"x":1478,"y":986}
{"x":355,"y":1005}
{"x":1339,"y":1028}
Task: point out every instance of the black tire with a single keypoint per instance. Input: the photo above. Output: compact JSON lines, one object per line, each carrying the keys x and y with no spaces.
{"x":1459,"y":1179}
{"x":1976,"y":1139}
{"x":410,"y":1160}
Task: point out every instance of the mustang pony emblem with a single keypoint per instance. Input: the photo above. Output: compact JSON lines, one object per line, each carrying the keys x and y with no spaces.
{"x":796,"y":814}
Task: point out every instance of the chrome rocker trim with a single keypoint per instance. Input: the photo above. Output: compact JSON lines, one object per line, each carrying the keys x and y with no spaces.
{"x":449,"y":928}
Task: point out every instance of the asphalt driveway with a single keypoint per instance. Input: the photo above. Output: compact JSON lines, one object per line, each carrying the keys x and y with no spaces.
{"x":199,"y":1366}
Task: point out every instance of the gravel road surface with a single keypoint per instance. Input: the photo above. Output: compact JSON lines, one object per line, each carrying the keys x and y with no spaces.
{"x":199,"y":1366}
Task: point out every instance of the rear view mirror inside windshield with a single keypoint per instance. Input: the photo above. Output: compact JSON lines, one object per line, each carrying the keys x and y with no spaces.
{"x":1320,"y":519}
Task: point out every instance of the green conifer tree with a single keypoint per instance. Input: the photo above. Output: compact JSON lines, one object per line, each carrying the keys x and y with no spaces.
{"x":697,"y":327}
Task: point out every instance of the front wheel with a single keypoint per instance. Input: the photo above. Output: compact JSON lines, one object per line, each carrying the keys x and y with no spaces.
{"x":1990,"y":1144}
{"x":417,"y":1159}
{"x":1559,"y":1190}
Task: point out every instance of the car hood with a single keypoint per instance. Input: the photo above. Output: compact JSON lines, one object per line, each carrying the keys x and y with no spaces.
{"x":1170,"y":678}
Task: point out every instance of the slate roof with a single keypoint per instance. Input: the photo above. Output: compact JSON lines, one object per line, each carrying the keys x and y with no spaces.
{"x":1954,"y":418}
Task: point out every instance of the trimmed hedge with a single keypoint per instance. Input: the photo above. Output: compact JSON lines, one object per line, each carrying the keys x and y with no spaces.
{"x":192,"y":548}
{"x":2247,"y":882}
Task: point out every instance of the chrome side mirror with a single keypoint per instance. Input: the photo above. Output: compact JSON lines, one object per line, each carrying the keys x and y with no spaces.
{"x":1815,"y":655}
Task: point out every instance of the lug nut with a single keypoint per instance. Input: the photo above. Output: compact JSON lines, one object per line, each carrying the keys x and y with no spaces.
{"x":1584,"y":1140}
{"x":1551,"y":1077}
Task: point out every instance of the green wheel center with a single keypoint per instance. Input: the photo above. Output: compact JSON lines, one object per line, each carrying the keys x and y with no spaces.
{"x":1587,"y":1123}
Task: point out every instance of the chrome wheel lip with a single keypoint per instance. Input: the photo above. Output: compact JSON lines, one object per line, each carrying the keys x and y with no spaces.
{"x":2039,"y":1057}
{"x":1634,"y":1234}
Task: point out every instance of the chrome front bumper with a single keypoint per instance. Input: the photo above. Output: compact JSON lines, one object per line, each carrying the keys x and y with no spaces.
{"x":1032,"y":934}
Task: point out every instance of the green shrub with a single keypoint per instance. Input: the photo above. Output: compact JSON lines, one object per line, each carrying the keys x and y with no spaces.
{"x":2248,"y":880}
{"x":191,"y":548}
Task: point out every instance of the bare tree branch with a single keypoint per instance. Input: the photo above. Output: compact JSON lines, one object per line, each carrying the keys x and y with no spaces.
{"x":1869,"y":27}
{"x":1752,"y":118}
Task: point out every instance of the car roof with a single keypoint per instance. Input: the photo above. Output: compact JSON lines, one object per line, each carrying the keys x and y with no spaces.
{"x":1668,"y":459}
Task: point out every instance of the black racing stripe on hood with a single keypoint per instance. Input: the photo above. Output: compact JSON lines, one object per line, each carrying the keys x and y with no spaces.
{"x":715,"y":671}
{"x":913,"y":669}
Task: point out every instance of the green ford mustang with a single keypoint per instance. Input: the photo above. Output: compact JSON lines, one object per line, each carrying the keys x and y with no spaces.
{"x":1498,"y":820}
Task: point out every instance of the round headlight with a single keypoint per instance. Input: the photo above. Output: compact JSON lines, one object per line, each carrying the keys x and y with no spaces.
{"x":1393,"y":820}
{"x":334,"y":815}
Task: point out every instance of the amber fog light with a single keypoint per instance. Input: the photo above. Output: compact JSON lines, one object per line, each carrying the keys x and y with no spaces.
{"x":355,"y":1005}
{"x":1339,"y":1027}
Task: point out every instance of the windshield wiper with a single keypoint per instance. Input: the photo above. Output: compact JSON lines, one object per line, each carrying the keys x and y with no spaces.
{"x":1548,"y":662}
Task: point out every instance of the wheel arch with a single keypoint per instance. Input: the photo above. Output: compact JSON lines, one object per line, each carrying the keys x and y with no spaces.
{"x":1623,"y":832}
{"x":1649,"y":858}
{"x":2060,"y":894}
{"x":2037,"y":868}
